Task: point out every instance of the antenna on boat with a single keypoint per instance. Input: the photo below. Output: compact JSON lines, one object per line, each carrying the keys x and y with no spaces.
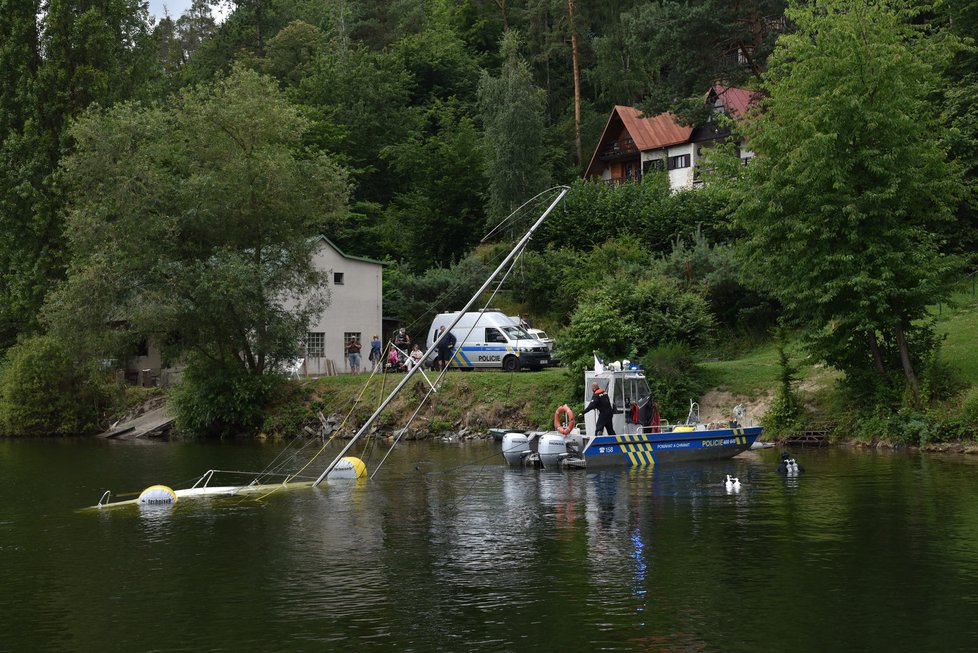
{"x":458,"y":316}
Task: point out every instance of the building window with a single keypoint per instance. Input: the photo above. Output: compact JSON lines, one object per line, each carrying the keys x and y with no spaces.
{"x":653,"y":164}
{"x":348,"y":336}
{"x":315,"y":344}
{"x":677,"y":162}
{"x":337,"y":278}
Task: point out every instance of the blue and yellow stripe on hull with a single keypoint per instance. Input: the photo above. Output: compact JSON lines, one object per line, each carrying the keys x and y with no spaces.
{"x":649,"y":449}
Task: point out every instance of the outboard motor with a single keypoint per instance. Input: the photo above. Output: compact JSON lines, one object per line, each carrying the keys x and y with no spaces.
{"x":516,"y":447}
{"x":552,"y":449}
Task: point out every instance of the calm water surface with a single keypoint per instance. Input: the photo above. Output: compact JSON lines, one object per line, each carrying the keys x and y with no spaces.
{"x":449,"y":550}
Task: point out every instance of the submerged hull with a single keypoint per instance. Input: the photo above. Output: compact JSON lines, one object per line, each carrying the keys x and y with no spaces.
{"x":647,"y":449}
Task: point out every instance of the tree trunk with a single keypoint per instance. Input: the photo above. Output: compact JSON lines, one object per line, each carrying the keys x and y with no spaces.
{"x":905,"y":361}
{"x":874,"y":347}
{"x":502,"y":12}
{"x":577,"y":81}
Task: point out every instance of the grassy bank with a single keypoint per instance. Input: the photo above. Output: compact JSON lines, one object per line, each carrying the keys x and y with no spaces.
{"x":477,"y":401}
{"x":473,"y":401}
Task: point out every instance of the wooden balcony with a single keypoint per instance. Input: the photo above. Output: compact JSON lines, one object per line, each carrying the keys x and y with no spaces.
{"x":618,"y":152}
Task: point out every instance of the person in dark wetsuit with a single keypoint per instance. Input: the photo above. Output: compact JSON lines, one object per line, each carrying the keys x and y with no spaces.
{"x":789,"y":466}
{"x":601,"y":403}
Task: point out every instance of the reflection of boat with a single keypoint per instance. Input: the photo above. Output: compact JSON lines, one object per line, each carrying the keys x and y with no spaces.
{"x":641,"y":440}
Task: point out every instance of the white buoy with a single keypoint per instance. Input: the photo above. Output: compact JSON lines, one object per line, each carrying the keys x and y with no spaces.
{"x":157,"y":495}
{"x":348,"y":467}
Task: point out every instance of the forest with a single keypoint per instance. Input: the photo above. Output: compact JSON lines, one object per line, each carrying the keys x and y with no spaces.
{"x":162,"y":179}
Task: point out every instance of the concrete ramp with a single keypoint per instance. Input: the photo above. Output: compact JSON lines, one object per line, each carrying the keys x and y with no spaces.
{"x":152,"y":423}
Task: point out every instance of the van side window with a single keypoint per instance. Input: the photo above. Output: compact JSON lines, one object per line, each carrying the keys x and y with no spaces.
{"x":495,"y":335}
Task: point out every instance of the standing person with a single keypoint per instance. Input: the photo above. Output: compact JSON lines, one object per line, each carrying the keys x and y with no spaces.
{"x":402,"y":341}
{"x":375,"y":354}
{"x":601,"y":403}
{"x":353,"y":351}
{"x":445,"y":348}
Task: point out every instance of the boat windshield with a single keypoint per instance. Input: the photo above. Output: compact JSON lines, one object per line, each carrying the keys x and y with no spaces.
{"x":516,"y":333}
{"x":629,"y":390}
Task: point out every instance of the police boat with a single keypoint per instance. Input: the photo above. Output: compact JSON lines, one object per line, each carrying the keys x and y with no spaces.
{"x":641,"y":439}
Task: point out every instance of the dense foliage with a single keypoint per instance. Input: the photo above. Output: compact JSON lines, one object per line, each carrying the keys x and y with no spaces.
{"x":841,"y":229}
{"x":46,"y":390}
{"x":160,"y":179}
{"x":193,"y":225}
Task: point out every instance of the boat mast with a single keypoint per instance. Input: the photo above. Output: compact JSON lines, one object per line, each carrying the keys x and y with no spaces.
{"x":416,"y":368}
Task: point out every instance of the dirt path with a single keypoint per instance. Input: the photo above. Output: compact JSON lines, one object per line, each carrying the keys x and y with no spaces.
{"x":717,"y":406}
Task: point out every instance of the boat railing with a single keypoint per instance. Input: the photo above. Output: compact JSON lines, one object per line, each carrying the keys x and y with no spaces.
{"x":205,"y":479}
{"x":666,"y":427}
{"x":105,"y":499}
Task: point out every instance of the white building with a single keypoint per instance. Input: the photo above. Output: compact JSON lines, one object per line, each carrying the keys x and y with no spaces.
{"x":355,"y":310}
{"x":631,"y":145}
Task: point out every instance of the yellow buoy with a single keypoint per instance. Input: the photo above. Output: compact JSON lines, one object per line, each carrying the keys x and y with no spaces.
{"x":157,"y":495}
{"x":348,"y":467}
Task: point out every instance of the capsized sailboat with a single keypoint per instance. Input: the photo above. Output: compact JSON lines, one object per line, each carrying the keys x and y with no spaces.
{"x":343,"y":466}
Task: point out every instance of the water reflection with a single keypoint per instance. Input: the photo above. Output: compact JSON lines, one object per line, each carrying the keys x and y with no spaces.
{"x":464,"y":555}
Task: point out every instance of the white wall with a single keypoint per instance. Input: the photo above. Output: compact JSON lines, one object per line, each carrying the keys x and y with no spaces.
{"x":355,"y":306}
{"x":682,"y":177}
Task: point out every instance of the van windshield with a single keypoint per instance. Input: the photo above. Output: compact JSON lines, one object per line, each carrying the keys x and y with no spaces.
{"x":516,"y":333}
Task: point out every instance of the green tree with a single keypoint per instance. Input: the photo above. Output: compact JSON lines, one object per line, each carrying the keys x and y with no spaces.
{"x":293,"y":51}
{"x":359,"y":102}
{"x":512,"y":110}
{"x":850,"y":183}
{"x":57,"y":59}
{"x":671,"y":52}
{"x":192,"y":225}
{"x":438,"y":215}
{"x":630,"y":311}
{"x":46,"y":390}
{"x":417,"y":297}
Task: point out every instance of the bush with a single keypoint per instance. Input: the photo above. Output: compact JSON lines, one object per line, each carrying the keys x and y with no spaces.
{"x":784,"y":415}
{"x":45,"y":391}
{"x":596,"y":326}
{"x":965,"y":422}
{"x":906,"y":426}
{"x":221,"y":400}
{"x":674,"y":379}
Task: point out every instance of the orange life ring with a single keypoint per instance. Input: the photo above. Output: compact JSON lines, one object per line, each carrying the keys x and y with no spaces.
{"x":559,"y":424}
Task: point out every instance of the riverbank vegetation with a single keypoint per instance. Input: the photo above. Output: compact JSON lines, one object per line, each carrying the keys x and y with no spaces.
{"x":163,"y":181}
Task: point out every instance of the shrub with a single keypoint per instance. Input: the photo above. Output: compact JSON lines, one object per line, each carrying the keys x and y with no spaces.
{"x":783,"y":416}
{"x":674,"y":379}
{"x":966,"y":420}
{"x":44,"y":390}
{"x":906,"y":426}
{"x":221,"y":400}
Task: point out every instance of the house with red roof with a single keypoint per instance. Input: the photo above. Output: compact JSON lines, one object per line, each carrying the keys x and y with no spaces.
{"x":632,"y":144}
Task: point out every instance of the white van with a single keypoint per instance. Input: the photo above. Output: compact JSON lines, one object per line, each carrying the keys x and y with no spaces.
{"x":490,"y":340}
{"x":536,"y":334}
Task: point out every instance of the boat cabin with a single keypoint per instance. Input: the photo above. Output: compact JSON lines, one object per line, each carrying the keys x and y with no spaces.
{"x":630,"y":396}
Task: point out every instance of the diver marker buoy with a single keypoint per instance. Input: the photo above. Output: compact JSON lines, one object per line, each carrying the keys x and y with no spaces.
{"x":157,"y":495}
{"x":348,"y":467}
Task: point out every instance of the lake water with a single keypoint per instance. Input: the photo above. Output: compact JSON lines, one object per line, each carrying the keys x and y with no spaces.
{"x":449,"y":550}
